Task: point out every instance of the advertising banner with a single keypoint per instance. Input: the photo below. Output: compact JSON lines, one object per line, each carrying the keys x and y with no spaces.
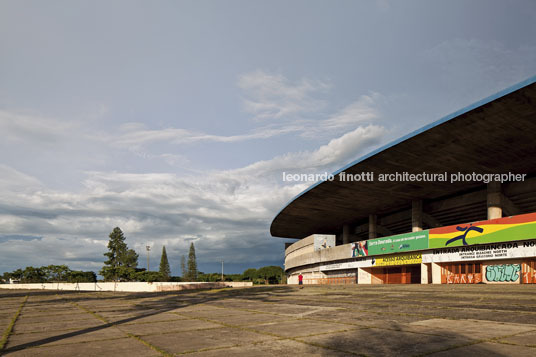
{"x":398,"y":259}
{"x":363,"y":263}
{"x":492,"y":231}
{"x":360,"y":249}
{"x":399,"y":243}
{"x":517,"y":249}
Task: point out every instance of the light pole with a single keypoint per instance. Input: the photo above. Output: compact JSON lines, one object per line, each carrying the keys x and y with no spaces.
{"x":148,"y":248}
{"x":222,"y":270}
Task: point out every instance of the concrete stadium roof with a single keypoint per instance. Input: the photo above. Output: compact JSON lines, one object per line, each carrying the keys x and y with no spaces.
{"x":494,"y":135}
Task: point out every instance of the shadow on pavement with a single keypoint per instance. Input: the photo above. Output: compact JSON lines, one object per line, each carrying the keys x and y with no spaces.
{"x":170,"y":301}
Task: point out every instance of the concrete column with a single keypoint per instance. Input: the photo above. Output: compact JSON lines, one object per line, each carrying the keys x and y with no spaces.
{"x":436,"y":273}
{"x":494,"y":200}
{"x":416,"y":215}
{"x":346,"y":234}
{"x":364,"y":276}
{"x":424,"y":273}
{"x":373,"y":226}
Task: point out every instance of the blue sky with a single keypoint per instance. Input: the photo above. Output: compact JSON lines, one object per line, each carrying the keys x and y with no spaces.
{"x":174,"y":120}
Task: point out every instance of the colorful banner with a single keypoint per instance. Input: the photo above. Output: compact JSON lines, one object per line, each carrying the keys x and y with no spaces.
{"x":399,"y":243}
{"x":398,"y":259}
{"x":360,"y":249}
{"x":493,"y":231}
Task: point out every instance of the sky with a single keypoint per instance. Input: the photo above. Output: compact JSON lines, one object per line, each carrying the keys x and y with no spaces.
{"x":175,"y":120}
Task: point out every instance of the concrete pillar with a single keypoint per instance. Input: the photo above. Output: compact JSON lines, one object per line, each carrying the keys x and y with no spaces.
{"x":436,"y":273}
{"x":424,"y":273}
{"x":416,"y":215}
{"x":364,"y":276}
{"x":373,"y":226}
{"x":346,"y":234}
{"x":494,"y":200}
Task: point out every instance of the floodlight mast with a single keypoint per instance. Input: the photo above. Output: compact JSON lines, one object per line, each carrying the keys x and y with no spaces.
{"x":148,"y":248}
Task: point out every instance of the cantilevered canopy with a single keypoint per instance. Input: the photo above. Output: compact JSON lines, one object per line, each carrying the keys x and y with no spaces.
{"x":495,"y":135}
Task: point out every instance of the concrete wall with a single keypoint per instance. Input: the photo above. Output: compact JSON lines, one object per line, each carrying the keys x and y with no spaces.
{"x":304,"y":254}
{"x":426,"y":270}
{"x":436,"y":273}
{"x":364,"y":276}
{"x":301,"y":247}
{"x":310,"y":276}
{"x":127,"y":286}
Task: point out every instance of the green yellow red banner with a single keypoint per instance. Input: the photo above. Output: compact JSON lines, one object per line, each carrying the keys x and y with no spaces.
{"x":492,"y":231}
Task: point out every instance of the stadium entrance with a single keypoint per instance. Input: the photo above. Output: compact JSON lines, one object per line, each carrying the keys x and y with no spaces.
{"x":407,"y":274}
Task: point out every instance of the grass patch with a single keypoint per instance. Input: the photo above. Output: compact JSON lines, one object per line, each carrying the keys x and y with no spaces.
{"x":151,"y":346}
{"x":9,"y":328}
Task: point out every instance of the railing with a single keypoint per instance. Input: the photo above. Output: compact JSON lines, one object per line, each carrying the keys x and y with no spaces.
{"x":331,"y":281}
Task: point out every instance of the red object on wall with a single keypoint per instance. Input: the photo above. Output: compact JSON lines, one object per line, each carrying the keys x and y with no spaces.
{"x":528,"y":272}
{"x":461,"y":273}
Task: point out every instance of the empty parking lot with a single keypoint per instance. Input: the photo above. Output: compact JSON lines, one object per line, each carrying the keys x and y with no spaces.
{"x":384,"y":320}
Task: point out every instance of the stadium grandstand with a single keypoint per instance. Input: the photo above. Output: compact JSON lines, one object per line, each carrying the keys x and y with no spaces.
{"x":453,"y":202}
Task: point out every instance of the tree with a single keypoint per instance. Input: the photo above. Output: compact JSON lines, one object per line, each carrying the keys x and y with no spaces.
{"x":76,"y":276}
{"x":33,"y":275}
{"x":50,"y":274}
{"x":183,"y":267}
{"x":250,"y":274}
{"x":192,"y":264}
{"x":56,"y":272}
{"x":164,"y":265}
{"x":149,"y":276}
{"x":270,"y":274}
{"x":122,"y":262}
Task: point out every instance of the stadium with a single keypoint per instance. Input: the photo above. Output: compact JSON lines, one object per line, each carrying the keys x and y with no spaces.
{"x":453,"y":202}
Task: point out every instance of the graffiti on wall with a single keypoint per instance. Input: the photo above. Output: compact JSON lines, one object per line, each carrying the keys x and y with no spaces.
{"x":463,"y":278}
{"x":503,"y":273}
{"x":529,"y":277}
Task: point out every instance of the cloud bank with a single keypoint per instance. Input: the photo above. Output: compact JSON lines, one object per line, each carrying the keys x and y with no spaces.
{"x":225,"y":212}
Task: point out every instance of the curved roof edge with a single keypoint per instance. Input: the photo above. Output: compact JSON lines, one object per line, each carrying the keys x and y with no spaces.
{"x":433,"y":124}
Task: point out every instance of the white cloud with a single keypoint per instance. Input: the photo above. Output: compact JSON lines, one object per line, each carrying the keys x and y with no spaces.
{"x":12,"y":180}
{"x":138,"y":137}
{"x":327,"y":157}
{"x":225,"y":212}
{"x":21,"y":129}
{"x":275,"y":96}
{"x":363,"y":110}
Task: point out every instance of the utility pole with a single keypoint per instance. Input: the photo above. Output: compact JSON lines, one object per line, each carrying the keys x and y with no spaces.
{"x":222,"y":270}
{"x":148,"y":248}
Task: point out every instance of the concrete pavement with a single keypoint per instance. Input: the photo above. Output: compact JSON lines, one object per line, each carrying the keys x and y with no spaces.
{"x":386,"y":320}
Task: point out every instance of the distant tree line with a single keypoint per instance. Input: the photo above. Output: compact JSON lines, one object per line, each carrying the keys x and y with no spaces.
{"x":50,"y":274}
{"x":122,"y":265}
{"x":266,"y":275}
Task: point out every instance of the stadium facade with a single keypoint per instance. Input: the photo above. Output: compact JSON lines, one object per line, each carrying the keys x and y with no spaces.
{"x":453,"y":202}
